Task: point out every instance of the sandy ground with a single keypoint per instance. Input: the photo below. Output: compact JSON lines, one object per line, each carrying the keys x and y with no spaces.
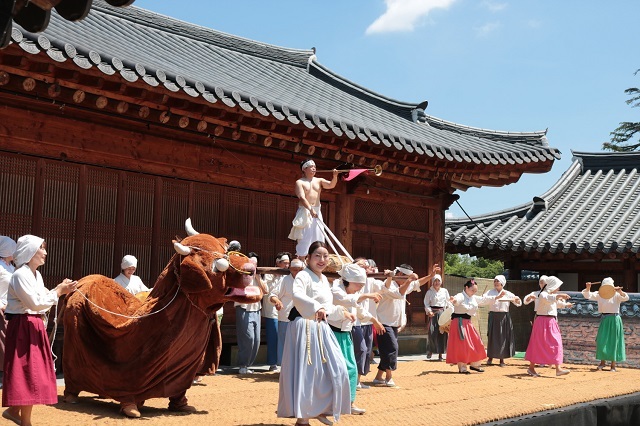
{"x":427,"y":392}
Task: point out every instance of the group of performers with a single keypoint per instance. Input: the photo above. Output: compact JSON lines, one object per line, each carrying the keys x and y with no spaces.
{"x":326,"y":329}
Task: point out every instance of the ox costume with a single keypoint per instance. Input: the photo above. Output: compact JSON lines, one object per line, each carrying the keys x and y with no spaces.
{"x":501,"y":341}
{"x":314,"y":380}
{"x":610,"y":344}
{"x":545,"y":343}
{"x":133,"y":285}
{"x":434,"y":302}
{"x":465,"y":345}
{"x":29,"y":374}
{"x":7,"y":248}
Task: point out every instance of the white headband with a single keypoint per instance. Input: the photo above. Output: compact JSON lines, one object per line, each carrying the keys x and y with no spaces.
{"x":282,"y":258}
{"x":307,"y":164}
{"x":296,"y":263}
{"x":404,"y":270}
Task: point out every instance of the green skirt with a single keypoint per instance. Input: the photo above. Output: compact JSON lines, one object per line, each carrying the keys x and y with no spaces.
{"x":610,"y":339}
{"x":346,"y":347}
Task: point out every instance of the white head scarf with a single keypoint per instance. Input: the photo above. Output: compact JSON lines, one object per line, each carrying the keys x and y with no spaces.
{"x":553,"y":283}
{"x":26,"y":248}
{"x":7,"y":246}
{"x":436,"y":277}
{"x":502,"y":279}
{"x":353,"y":273}
{"x":129,"y":261}
{"x":607,"y":281}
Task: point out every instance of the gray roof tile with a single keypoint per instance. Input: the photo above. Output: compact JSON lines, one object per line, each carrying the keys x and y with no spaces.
{"x":593,"y":207}
{"x":288,"y":84}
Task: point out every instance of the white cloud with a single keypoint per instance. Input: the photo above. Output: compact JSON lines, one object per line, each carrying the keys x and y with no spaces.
{"x":487,"y":29}
{"x":449,"y":215}
{"x":402,"y":15}
{"x":494,"y":6}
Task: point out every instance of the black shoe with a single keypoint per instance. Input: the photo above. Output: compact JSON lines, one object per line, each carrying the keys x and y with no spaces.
{"x":478,"y":369}
{"x":464,"y":372}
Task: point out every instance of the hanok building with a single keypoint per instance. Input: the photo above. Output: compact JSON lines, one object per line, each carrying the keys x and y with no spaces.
{"x":586,"y":227}
{"x":115,"y":129}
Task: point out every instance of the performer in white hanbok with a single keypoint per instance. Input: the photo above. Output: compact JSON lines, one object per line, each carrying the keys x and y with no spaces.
{"x":314,"y":381}
{"x":270,"y":312}
{"x":501,"y":342}
{"x":132,"y":283}
{"x":610,"y":339}
{"x":465,"y":346}
{"x":391,"y":313}
{"x":282,"y":298}
{"x":435,"y":300}
{"x":306,"y":224}
{"x":347,"y":292}
{"x":545,"y":342}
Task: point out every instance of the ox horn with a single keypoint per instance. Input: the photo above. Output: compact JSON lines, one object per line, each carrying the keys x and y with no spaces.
{"x":221,"y":265}
{"x":189,"y":228}
{"x":181,"y":249}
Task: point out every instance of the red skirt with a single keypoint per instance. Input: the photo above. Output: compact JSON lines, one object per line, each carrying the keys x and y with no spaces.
{"x":29,"y":375}
{"x":467,"y":351}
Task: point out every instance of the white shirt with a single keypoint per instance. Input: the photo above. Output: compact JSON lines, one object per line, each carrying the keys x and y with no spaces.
{"x":466,"y":304}
{"x":310,"y":293}
{"x":438,"y":298}
{"x":546,"y":303}
{"x":6,"y":270}
{"x":349,"y":301}
{"x":269,"y":309}
{"x":133,"y":285}
{"x":251,"y":307}
{"x":371,"y":286}
{"x":501,"y":306}
{"x":391,"y":307}
{"x":27,"y":293}
{"x":284,"y":292}
{"x":606,"y":306}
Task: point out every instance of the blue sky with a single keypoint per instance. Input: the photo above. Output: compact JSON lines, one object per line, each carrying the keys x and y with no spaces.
{"x":518,"y":65}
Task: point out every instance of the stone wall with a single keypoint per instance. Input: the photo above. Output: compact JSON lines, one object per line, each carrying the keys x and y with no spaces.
{"x":579,"y":327}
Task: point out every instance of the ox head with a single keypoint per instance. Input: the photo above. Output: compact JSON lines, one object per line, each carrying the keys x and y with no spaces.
{"x":212,"y":275}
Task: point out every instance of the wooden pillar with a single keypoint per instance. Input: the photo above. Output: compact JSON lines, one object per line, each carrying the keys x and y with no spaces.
{"x":436,"y":227}
{"x":344,"y":218}
{"x":81,"y":221}
{"x":630,"y":275}
{"x":515,"y":271}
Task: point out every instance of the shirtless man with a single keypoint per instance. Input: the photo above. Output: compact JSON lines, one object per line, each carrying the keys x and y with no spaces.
{"x":306,"y":230}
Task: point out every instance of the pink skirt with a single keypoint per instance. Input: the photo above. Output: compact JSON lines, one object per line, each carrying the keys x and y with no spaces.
{"x":545,"y":343}
{"x":29,"y":376}
{"x":467,"y":351}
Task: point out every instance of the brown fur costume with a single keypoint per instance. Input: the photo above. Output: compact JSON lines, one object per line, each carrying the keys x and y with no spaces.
{"x":131,"y":360}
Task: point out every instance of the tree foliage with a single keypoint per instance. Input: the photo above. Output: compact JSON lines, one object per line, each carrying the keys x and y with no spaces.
{"x":468,"y":266}
{"x":621,"y":137}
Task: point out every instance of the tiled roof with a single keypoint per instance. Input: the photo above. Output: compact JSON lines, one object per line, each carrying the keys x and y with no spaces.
{"x":592,"y":208}
{"x":287,"y":84}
